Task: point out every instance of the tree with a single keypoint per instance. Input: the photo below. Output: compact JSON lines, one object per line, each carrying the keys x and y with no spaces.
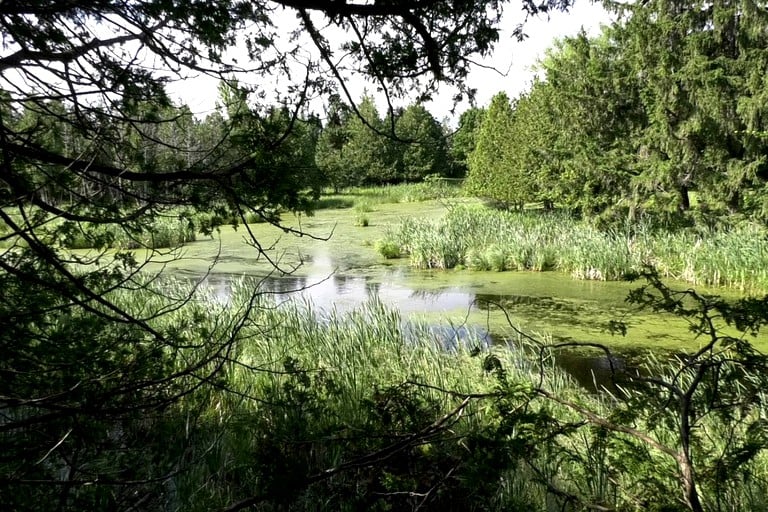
{"x":463,"y":141}
{"x":329,"y":154}
{"x":578,"y":127}
{"x":95,"y":361}
{"x":368,"y":153}
{"x":492,"y":170}
{"x":704,"y":101}
{"x":424,"y":152}
{"x":537,"y":143}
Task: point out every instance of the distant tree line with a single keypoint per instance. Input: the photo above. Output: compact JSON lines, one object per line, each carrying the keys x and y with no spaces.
{"x":663,"y":114}
{"x":297,"y":150}
{"x":357,"y":148}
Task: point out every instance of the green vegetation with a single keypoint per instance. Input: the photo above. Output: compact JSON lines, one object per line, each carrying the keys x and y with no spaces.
{"x":328,"y":412}
{"x":124,"y":389}
{"x":164,"y":232}
{"x":666,"y":102}
{"x":482,"y":238}
{"x":359,"y":148}
{"x":492,"y":170}
{"x":347,"y":387}
{"x":432,"y":187}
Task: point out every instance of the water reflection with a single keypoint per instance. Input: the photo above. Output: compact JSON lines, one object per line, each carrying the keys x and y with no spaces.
{"x":343,"y":293}
{"x":598,"y":372}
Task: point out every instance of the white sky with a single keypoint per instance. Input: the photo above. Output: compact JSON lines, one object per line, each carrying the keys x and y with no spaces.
{"x":512,"y":60}
{"x":516,"y":59}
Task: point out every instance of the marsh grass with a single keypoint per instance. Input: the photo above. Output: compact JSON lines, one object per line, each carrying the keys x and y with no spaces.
{"x":481,"y":238}
{"x":303,"y":390}
{"x":429,"y":189}
{"x":326,"y":387}
{"x":162,"y":232}
{"x":362,"y":209}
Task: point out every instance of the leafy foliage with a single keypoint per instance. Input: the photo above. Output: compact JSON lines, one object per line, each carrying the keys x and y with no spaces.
{"x":106,"y":380}
{"x":464,"y":140}
{"x":424,"y":152}
{"x":660,"y":116}
{"x":493,"y":172}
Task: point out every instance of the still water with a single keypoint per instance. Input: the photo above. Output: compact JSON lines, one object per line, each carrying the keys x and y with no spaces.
{"x":552,"y":307}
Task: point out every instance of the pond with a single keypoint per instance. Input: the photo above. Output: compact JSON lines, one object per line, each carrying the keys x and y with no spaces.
{"x":345,"y":271}
{"x":549,"y":306}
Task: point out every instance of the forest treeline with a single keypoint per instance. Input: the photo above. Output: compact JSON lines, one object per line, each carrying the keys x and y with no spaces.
{"x":663,"y":114}
{"x":299,"y":151}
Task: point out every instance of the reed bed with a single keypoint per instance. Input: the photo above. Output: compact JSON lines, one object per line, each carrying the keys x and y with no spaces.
{"x":303,"y":390}
{"x":429,"y":189}
{"x":480,"y":238}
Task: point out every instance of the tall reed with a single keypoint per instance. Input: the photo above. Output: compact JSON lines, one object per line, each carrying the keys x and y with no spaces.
{"x":481,"y":238}
{"x":302,"y":390}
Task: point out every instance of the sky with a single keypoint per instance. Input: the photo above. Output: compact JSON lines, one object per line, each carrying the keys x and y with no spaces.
{"x":509,"y":68}
{"x":516,"y":59}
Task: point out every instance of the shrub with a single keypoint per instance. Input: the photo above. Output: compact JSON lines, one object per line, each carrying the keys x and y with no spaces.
{"x":388,"y":249}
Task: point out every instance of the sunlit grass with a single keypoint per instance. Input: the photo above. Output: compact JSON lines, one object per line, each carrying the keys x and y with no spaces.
{"x":310,"y":383}
{"x":429,"y":189}
{"x":480,"y":238}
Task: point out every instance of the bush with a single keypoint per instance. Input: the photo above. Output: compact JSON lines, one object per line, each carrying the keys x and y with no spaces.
{"x":388,"y":249}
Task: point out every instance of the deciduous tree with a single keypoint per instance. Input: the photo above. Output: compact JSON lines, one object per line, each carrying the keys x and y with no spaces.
{"x":89,"y":381}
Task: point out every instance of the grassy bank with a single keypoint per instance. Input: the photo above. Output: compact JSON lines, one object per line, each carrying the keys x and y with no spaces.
{"x":480,"y":238}
{"x":363,"y":411}
{"x":429,"y":189}
{"x":283,"y":407}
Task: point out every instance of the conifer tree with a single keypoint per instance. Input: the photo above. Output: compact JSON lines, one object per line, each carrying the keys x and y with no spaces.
{"x":424,"y":151}
{"x":369,"y":153}
{"x":492,"y":171}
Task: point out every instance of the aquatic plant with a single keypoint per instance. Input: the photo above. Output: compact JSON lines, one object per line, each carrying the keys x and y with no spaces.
{"x":480,"y":238}
{"x":290,"y":406}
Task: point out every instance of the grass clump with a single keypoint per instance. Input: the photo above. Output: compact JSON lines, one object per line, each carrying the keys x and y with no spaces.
{"x":388,"y":249}
{"x":362,"y":209}
{"x":481,"y":238}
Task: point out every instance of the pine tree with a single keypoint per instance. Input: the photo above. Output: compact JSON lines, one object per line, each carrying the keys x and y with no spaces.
{"x":424,"y":151}
{"x":369,"y":152}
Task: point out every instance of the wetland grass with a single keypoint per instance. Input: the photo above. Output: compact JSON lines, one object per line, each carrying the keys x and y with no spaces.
{"x":429,"y":189}
{"x":480,"y":238}
{"x":303,"y":390}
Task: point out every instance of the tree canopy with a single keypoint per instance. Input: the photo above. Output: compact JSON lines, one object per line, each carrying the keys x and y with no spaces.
{"x":94,"y":153}
{"x":660,"y":115}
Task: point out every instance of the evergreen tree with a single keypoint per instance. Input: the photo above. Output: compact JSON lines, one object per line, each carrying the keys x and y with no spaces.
{"x":586,"y":112}
{"x":492,"y":171}
{"x":329,"y":155}
{"x":369,"y":153}
{"x":463,"y":141}
{"x":425,"y":152}
{"x":702,"y":66}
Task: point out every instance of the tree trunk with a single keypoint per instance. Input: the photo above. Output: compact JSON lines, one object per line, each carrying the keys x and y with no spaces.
{"x":685,"y":200}
{"x":684,"y":462}
{"x":690,"y":492}
{"x":734,"y":202}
